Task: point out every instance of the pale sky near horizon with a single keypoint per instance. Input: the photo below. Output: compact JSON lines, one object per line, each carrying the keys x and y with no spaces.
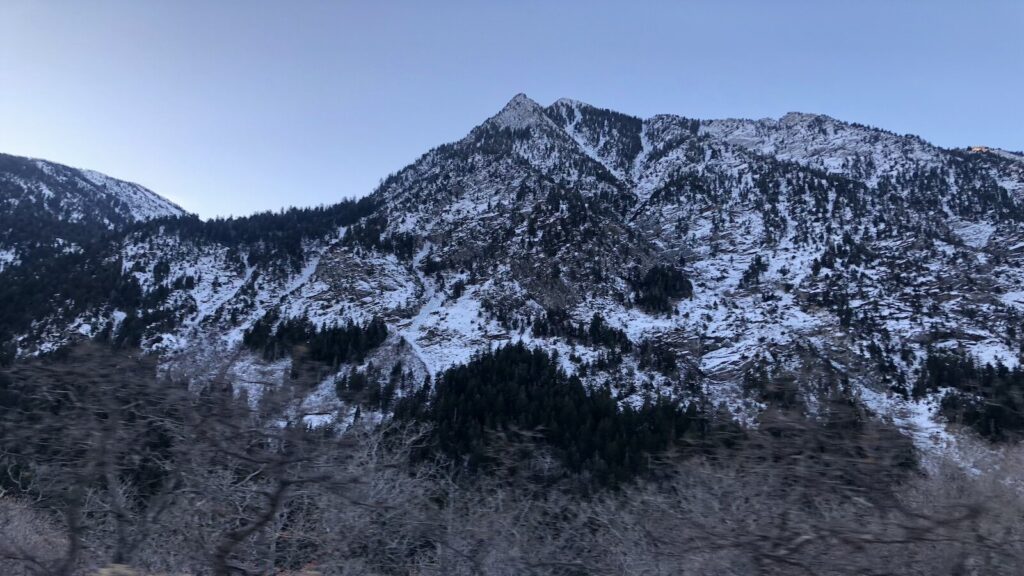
{"x":236,"y":106}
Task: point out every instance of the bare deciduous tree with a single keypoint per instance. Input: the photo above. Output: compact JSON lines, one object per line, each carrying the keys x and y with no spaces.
{"x":106,"y":466}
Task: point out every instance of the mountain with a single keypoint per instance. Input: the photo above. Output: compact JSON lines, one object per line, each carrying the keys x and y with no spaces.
{"x":662,"y":256}
{"x":44,"y":203}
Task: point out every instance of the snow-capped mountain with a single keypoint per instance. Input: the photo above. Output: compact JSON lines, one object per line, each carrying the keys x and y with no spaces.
{"x":711,"y":245}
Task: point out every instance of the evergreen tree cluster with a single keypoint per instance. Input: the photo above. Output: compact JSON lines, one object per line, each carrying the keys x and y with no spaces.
{"x":81,"y":271}
{"x":616,"y":131}
{"x":61,"y":285}
{"x":368,"y":388}
{"x":689,"y":136}
{"x":44,"y":202}
{"x":658,"y":357}
{"x":557,"y":322}
{"x":661,"y":284}
{"x":275,"y":338}
{"x":517,"y":390}
{"x":369,"y":233}
{"x":989,"y":399}
{"x":565,"y":217}
{"x":752,"y":275}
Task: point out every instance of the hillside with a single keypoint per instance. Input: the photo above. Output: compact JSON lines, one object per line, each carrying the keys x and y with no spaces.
{"x":702,"y":251}
{"x":55,"y":207}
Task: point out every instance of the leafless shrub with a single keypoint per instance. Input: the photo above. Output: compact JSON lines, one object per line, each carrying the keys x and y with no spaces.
{"x":29,"y":540}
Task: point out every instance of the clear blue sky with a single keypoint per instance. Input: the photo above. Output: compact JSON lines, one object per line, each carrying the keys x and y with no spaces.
{"x":229,"y":107}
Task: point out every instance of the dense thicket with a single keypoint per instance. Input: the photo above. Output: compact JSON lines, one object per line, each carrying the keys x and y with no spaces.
{"x":659,"y":285}
{"x":556,"y":322}
{"x":57,"y":407}
{"x":987,"y":398}
{"x":116,"y":454}
{"x":822,"y":423}
{"x":275,"y":338}
{"x":517,"y":390}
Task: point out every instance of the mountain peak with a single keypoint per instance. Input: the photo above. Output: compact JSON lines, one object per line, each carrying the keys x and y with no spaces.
{"x":521,"y":98}
{"x":520,"y":112}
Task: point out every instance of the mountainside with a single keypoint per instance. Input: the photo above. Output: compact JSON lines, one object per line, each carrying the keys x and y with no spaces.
{"x":665,"y":255}
{"x":55,"y":206}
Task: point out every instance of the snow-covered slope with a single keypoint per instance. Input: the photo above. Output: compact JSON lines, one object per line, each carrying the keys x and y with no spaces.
{"x":74,"y":195}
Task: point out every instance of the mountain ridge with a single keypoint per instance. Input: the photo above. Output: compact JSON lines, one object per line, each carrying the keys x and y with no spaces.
{"x":714,"y":247}
{"x":141,"y":202}
{"x":48,"y":206}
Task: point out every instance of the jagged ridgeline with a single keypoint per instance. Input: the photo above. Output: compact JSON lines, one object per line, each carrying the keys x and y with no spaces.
{"x":663,"y":256}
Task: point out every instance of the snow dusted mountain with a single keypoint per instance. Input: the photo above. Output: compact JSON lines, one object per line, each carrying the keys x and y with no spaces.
{"x":77,"y":196}
{"x":662,"y":255}
{"x":44,"y":203}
